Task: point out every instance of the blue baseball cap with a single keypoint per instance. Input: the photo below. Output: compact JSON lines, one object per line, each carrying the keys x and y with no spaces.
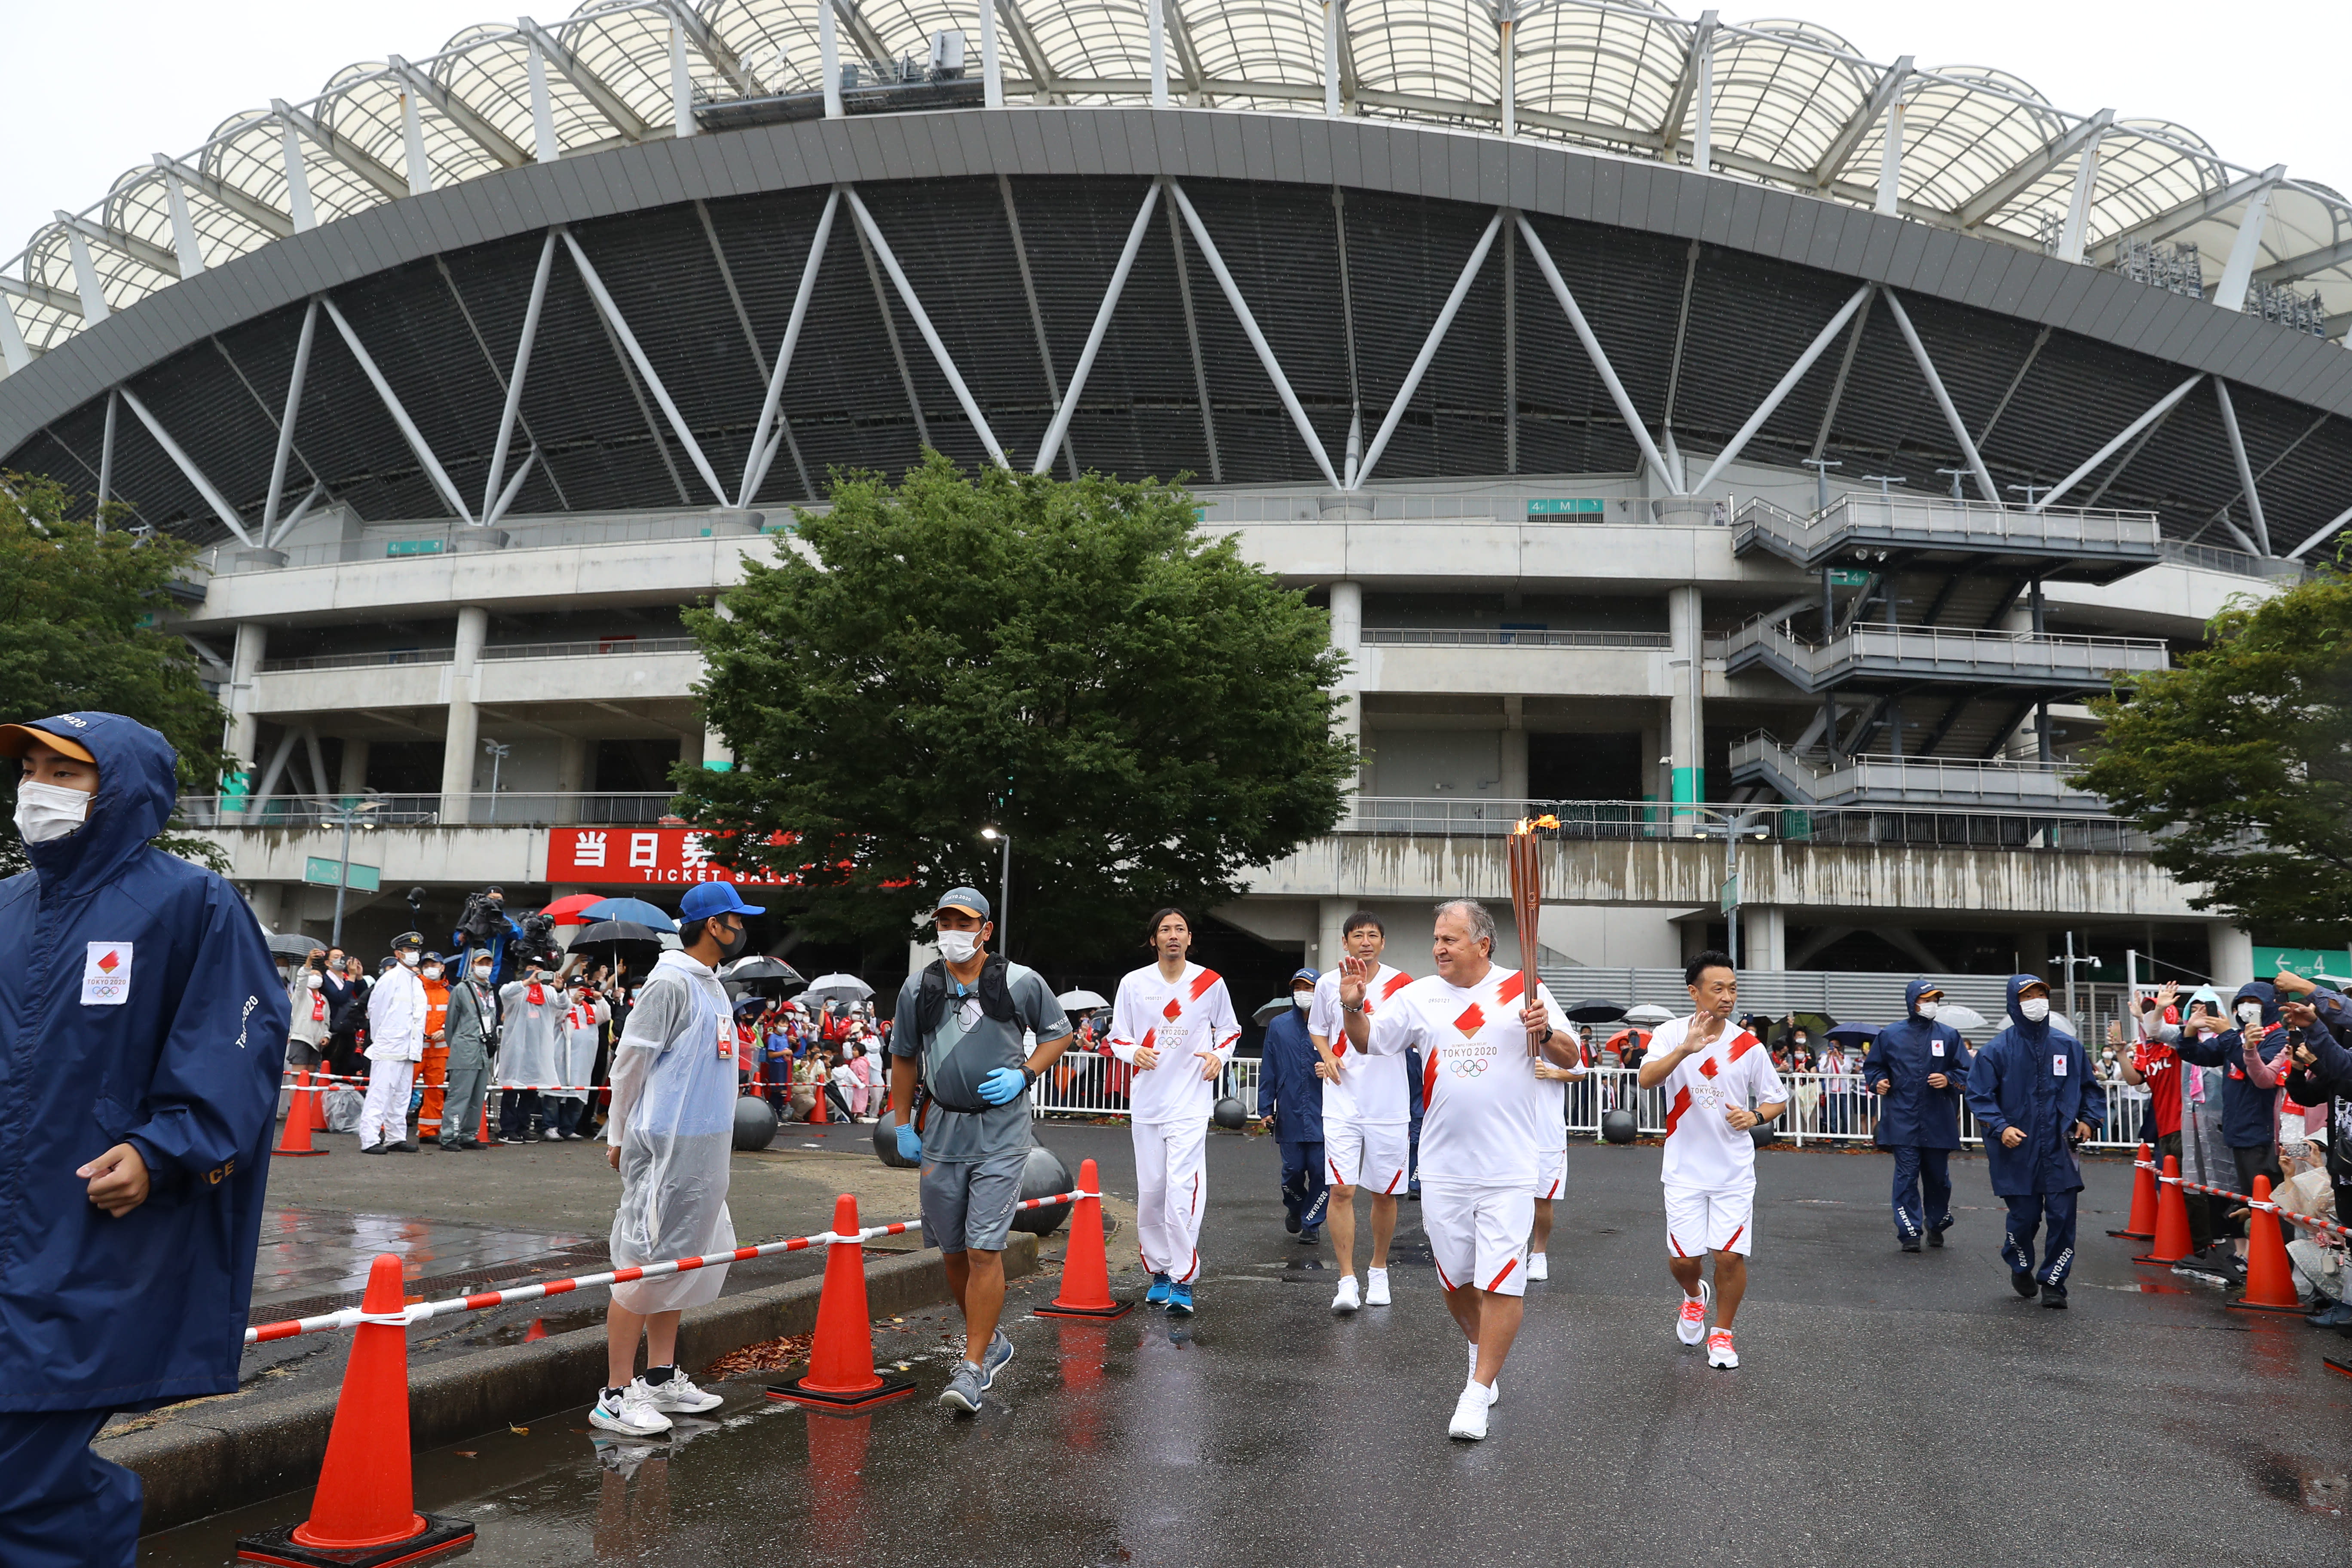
{"x":970,"y":900}
{"x":1307,"y":975}
{"x":705,"y":899}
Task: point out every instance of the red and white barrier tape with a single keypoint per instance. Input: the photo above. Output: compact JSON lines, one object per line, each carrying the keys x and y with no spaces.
{"x":2309,"y":1222}
{"x":424,"y":1312}
{"x":320,"y":1082}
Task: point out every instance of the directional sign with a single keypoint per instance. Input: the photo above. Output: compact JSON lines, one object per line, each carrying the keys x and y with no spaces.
{"x":320,"y":871}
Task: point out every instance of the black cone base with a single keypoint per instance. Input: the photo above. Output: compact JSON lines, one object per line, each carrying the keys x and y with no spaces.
{"x":792,"y":1393}
{"x":442,"y":1535}
{"x":2332,"y":1364}
{"x":1116,"y":1310}
{"x":2133,"y":1235}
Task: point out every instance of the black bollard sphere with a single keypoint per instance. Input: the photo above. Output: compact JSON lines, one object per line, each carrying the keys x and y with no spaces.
{"x":1228,"y":1112}
{"x":885,"y":1143}
{"x":1619,"y":1127}
{"x":1043,"y":1176}
{"x":1763,"y":1132}
{"x":755,"y":1123}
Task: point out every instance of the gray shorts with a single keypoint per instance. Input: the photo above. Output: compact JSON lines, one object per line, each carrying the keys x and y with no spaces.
{"x":968,"y":1204}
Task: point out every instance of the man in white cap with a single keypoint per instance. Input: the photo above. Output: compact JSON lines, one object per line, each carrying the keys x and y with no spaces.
{"x":396,"y":1010}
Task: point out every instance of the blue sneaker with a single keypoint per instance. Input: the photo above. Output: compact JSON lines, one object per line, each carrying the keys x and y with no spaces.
{"x":1179,"y":1300}
{"x":1158,"y":1295}
{"x":992,"y":1360}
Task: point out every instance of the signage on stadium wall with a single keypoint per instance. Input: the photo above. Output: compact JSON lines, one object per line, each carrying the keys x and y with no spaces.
{"x":643,"y":854}
{"x":1538,"y":506}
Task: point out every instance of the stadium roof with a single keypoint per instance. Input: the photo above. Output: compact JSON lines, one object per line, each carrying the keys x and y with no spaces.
{"x":1790,"y":105}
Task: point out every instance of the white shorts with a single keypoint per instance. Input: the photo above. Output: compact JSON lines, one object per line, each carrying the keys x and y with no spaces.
{"x":1701,"y":1222}
{"x":1371,"y":1154}
{"x":1478,"y":1234}
{"x":1552,"y":1172}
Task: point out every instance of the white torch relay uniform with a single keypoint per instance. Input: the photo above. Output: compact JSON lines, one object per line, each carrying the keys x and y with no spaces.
{"x":1368,"y":1112}
{"x":396,"y":1010}
{"x":1170,"y":1104}
{"x":1709,"y":1170}
{"x":1481,"y":1107}
{"x":1551,"y":1126}
{"x":673,"y":1118}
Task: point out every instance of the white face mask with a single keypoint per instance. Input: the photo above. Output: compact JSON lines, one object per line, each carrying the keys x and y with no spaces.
{"x":2250,"y":1014}
{"x":432,"y":972}
{"x":957,"y":946}
{"x":317,"y":981}
{"x":1929,"y":1008}
{"x":2033,"y":1009}
{"x":1301,"y":999}
{"x":409,"y":959}
{"x":482,"y":973}
{"x":49,"y":811}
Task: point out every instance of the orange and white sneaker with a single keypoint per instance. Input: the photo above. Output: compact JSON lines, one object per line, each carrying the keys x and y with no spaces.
{"x":1719,"y":1352}
{"x":1690,"y":1322}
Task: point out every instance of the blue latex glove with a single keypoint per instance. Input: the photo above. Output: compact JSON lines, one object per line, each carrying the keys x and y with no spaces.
{"x":1003,"y":1085}
{"x":910,"y":1142}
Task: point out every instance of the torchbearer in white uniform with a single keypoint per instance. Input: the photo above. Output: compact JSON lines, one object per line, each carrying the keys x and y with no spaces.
{"x":671,"y":1135}
{"x":1174,"y":1023}
{"x":396,"y":1010}
{"x":1480,"y":1037}
{"x":1551,"y":1167}
{"x":1367,"y":1116}
{"x":1713,"y":1071}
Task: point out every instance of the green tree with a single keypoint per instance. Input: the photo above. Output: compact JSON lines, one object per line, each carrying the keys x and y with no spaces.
{"x":82,"y":613}
{"x":2240,"y":756}
{"x":1145,"y":712}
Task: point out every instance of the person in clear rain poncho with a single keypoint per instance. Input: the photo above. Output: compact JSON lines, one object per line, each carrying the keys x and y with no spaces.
{"x":530,"y":1049}
{"x":671,"y":1134}
{"x":583,"y":1021}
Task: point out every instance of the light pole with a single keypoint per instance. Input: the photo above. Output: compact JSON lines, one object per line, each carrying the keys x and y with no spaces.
{"x":347,"y":817}
{"x":498,"y":754}
{"x":1003,"y":886}
{"x":1734,"y":825}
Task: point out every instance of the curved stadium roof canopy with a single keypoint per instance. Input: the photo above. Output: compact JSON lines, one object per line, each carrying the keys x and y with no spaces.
{"x":1786,"y":104}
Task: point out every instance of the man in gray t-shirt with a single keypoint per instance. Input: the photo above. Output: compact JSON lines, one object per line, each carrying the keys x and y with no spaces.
{"x":967,"y":1039}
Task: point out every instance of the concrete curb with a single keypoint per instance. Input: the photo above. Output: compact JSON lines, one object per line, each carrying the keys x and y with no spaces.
{"x":219,"y":1456}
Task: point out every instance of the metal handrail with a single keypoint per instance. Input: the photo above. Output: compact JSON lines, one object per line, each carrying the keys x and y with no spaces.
{"x":1766,"y":626}
{"x":516,"y":808}
{"x":1480,"y":637}
{"x":598,"y":648}
{"x":1963,"y":519}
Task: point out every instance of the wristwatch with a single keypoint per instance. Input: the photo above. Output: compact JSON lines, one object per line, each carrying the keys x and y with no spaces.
{"x":1355,"y":1006}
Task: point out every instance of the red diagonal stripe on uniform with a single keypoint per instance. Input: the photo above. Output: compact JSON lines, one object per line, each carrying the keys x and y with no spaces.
{"x":1743,"y":1044}
{"x":1510,"y":990}
{"x":1201,"y":984}
{"x":1145,"y":1043}
{"x":1505,"y":1274}
{"x":1396,"y":983}
{"x":1174,"y":1011}
{"x":1675,"y":1112}
{"x":1733,"y":1240}
{"x":1428,"y":1078}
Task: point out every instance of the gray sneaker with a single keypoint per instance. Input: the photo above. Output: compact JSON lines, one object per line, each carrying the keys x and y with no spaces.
{"x":963,"y":1390}
{"x":992,"y":1360}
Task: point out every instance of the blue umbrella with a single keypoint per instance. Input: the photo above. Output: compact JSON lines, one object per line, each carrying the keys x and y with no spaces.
{"x":1854,"y":1034}
{"x":636,"y":911}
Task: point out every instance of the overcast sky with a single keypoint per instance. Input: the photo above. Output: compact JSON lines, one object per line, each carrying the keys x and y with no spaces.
{"x":93,"y":90}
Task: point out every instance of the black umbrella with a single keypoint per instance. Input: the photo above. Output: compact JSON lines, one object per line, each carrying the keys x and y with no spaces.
{"x":608,"y":940}
{"x":1595,"y":1011}
{"x":766,"y":977}
{"x":294,"y":944}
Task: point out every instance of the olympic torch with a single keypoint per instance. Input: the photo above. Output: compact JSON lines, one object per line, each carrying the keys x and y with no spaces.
{"x":1526,"y":883}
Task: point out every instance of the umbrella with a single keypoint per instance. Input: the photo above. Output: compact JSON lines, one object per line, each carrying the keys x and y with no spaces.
{"x":1080,"y":1002}
{"x":767,"y":976}
{"x":1854,"y":1034}
{"x":1649,"y":1015}
{"x":1595,"y":1012}
{"x":1960,"y":1017}
{"x":1269,"y":1011}
{"x":837,"y":988}
{"x":608,"y":940}
{"x":571,"y":909}
{"x":1816,"y":1024}
{"x":636,"y":911}
{"x":294,"y":944}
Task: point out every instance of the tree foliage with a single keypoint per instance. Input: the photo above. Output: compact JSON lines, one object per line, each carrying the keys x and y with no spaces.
{"x":1142,"y":711}
{"x":81,"y":627}
{"x":2241,"y":755}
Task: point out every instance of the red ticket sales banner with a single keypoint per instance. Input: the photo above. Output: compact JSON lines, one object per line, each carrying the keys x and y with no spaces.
{"x":642,"y":855}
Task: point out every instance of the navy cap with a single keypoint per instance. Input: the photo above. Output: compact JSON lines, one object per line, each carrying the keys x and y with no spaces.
{"x":705,"y":899}
{"x":1305,"y":974}
{"x":970,"y":900}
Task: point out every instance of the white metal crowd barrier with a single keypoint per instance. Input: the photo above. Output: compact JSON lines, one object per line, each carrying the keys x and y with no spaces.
{"x":1822,"y":1108}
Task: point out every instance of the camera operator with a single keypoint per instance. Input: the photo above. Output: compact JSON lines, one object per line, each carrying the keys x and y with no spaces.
{"x":486,"y":927}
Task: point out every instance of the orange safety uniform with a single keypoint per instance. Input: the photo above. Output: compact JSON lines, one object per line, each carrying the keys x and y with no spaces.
{"x":433,"y":1072}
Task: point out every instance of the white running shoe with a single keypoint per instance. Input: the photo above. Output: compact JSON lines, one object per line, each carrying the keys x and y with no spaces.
{"x":1539,"y":1267}
{"x":1690,"y":1323}
{"x":1719,"y":1352}
{"x":1470,"y":1413}
{"x":1376,"y":1286}
{"x":678,"y":1396}
{"x":1348,"y":1299}
{"x":628,"y":1411}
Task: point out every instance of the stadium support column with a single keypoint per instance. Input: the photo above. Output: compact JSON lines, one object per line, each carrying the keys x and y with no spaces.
{"x":1329,"y":940}
{"x":354,"y":767}
{"x":2230,"y":954}
{"x":1515,"y":748}
{"x":1347,"y":638}
{"x":457,"y":749}
{"x":243,"y":724}
{"x":572,"y":760}
{"x":1764,"y":930}
{"x":1686,"y":720}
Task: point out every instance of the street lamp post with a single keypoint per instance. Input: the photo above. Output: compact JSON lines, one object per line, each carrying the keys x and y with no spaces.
{"x":1003,"y":886}
{"x":498,"y":754}
{"x":348,"y":816}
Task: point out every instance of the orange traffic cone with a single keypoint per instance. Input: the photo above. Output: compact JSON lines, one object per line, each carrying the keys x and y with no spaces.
{"x":2141,"y":1225}
{"x":295,"y":1141}
{"x":363,"y":1514}
{"x":488,"y":1138}
{"x":317,"y":1098}
{"x":1085,"y":1272}
{"x":535,"y":1333}
{"x":816,"y":1112}
{"x":2172,"y":1243}
{"x":2270,"y":1278}
{"x":841,"y":1374}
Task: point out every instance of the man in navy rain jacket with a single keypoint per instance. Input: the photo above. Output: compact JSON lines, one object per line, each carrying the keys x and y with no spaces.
{"x":142,"y":1031}
{"x":1290,"y":1098}
{"x":2248,"y":1108}
{"x":1916,"y":1068}
{"x":2032,"y":1092}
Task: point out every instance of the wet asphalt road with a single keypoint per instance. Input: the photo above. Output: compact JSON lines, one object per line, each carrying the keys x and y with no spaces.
{"x":1889,"y":1409}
